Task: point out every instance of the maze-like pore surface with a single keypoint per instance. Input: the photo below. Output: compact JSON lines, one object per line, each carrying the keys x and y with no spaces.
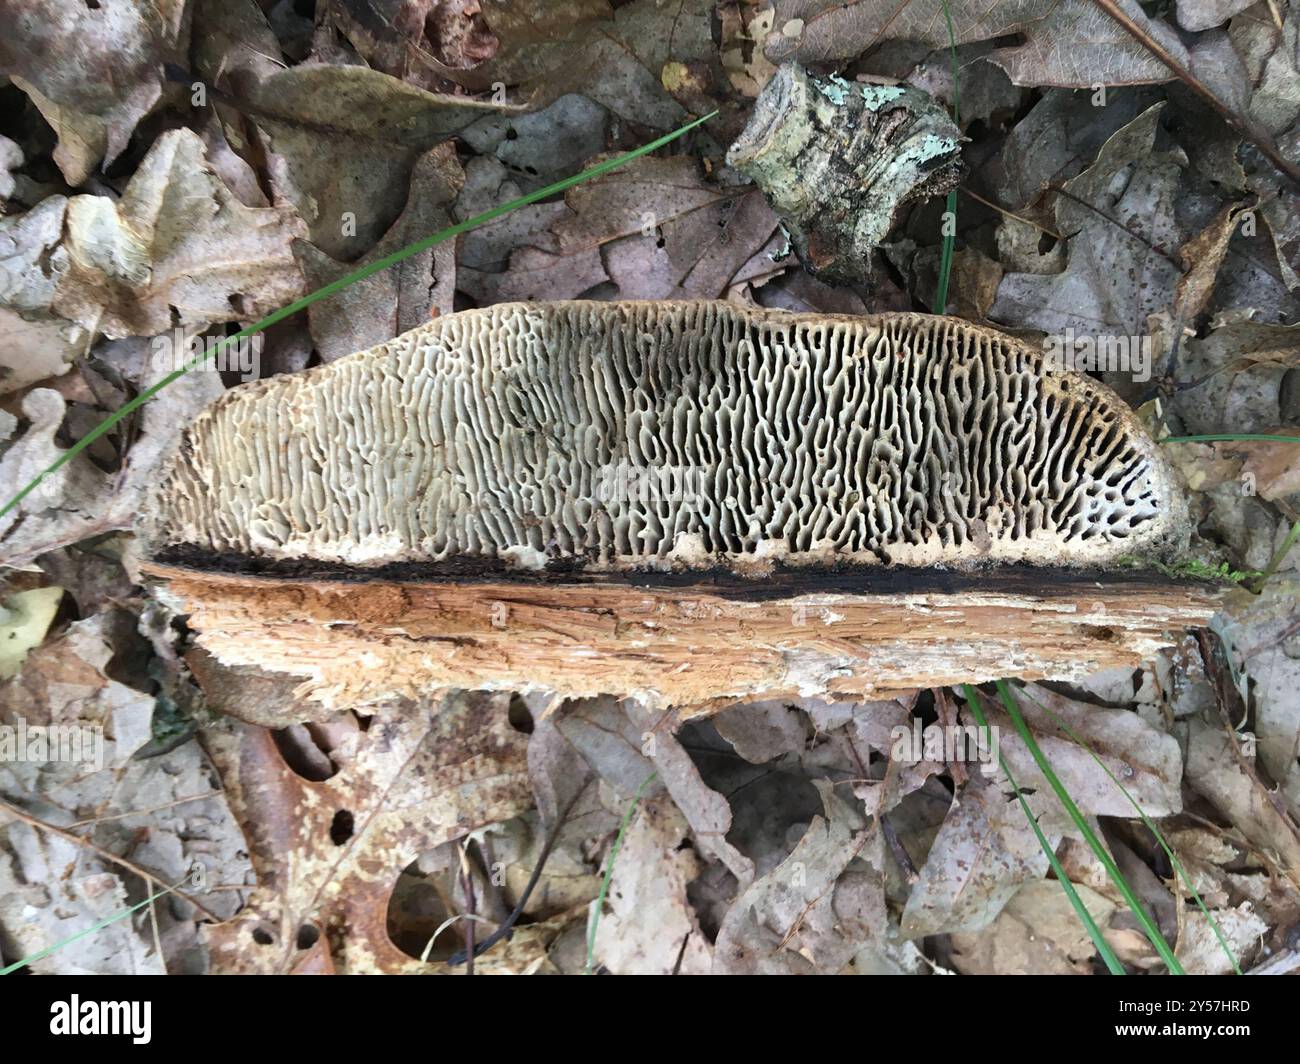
{"x":656,"y":435}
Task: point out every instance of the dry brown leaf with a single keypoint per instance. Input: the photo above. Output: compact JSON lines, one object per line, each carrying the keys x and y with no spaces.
{"x":649,"y":927}
{"x":1263,"y":636}
{"x":647,"y":61}
{"x":1218,"y":772}
{"x":1038,"y":933}
{"x":625,"y":743}
{"x":983,"y":853}
{"x":34,"y":342}
{"x":409,"y":39}
{"x":392,"y":301}
{"x":79,"y":501}
{"x":327,"y":854}
{"x":745,"y":26}
{"x":1066,"y":42}
{"x":162,"y":812}
{"x":342,"y":141}
{"x":1114,"y":278}
{"x":1143,"y":758}
{"x":1203,"y":256}
{"x":654,"y":228}
{"x":762,"y":731}
{"x":1273,"y":465}
{"x":178,"y":248}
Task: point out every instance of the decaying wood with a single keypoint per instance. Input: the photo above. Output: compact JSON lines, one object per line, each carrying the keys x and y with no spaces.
{"x":696,"y":648}
{"x":875,"y":504}
{"x":838,"y":160}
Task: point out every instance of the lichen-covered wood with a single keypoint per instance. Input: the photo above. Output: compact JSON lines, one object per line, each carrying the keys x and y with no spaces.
{"x":668,"y":436}
{"x":838,"y":160}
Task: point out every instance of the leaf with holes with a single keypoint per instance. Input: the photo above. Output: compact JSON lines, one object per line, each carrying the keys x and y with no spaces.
{"x":328,"y":853}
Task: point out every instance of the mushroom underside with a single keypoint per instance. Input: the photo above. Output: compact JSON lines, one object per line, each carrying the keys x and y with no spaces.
{"x":584,"y":438}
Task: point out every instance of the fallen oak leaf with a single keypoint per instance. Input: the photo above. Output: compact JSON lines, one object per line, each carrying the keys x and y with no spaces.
{"x":648,"y":914}
{"x":811,"y":913}
{"x":1272,"y":465}
{"x":341,"y":143}
{"x":328,"y":853}
{"x":1219,"y":772}
{"x":392,"y":301}
{"x":178,"y":248}
{"x":984,"y":852}
{"x":625,"y":742}
{"x":79,"y":500}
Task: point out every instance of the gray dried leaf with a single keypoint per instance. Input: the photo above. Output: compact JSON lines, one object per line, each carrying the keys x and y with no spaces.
{"x":1261,"y":636}
{"x":762,"y":731}
{"x":35,"y":343}
{"x":614,"y":54}
{"x":817,"y":909}
{"x":390,"y":302}
{"x":93,"y":71}
{"x":984,"y":852}
{"x":1038,"y":933}
{"x":648,"y":920}
{"x":558,"y":772}
{"x":654,"y":228}
{"x":342,"y":142}
{"x":79,"y":500}
{"x":1066,"y":42}
{"x":1120,"y":213}
{"x":1219,"y":771}
{"x":1201,"y":951}
{"x":11,"y":158}
{"x":544,"y":146}
{"x":1206,"y":14}
{"x":43,"y":903}
{"x":625,"y":742}
{"x":1146,"y":760}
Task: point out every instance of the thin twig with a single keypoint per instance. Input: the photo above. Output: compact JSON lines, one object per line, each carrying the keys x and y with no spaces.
{"x":467,"y":888}
{"x":1249,"y":129}
{"x":507,"y":928}
{"x":1010,"y":214}
{"x":107,"y":855}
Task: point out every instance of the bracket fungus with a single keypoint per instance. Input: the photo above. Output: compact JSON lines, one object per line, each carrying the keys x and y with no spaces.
{"x":691,"y":503}
{"x":837,"y":160}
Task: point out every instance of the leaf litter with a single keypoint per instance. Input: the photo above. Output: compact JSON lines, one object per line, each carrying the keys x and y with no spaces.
{"x":776,"y":837}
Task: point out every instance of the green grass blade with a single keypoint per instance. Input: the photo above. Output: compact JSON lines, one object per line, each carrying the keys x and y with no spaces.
{"x":945,"y":259}
{"x":1278,"y":557}
{"x":949,"y":239}
{"x":1151,"y":825}
{"x":609,"y":870}
{"x":1085,"y":917}
{"x":1134,"y":903}
{"x":42,"y":954}
{"x":1227,"y":436}
{"x":337,"y":286}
